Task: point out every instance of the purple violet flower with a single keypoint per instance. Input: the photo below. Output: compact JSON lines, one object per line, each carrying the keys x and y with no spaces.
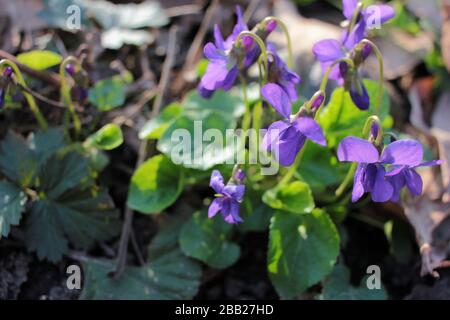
{"x":285,"y":138}
{"x":330,"y":50}
{"x":366,"y":17}
{"x":223,"y":67}
{"x":370,"y":175}
{"x":228,"y":199}
{"x":280,"y":74}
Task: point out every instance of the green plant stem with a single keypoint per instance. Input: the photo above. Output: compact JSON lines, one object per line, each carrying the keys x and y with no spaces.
{"x":66,"y":96}
{"x":348,"y":178}
{"x":380,"y":75}
{"x":261,"y":45}
{"x":323,"y":84}
{"x":292,"y":169}
{"x":246,"y":120}
{"x":288,"y":37}
{"x":30,"y":100}
{"x":354,"y":17}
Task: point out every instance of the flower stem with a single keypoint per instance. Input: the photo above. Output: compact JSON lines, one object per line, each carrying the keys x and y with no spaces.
{"x":348,"y":178}
{"x":261,"y":45}
{"x":66,"y":96}
{"x":246,"y":120}
{"x":292,"y":169}
{"x":288,"y":37}
{"x":380,"y":74}
{"x":323,"y":84}
{"x":31,"y":102}
{"x":354,"y":18}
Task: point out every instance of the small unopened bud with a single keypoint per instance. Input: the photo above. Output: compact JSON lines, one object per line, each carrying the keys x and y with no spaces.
{"x":366,"y":51}
{"x":271,"y":25}
{"x":343,"y":68}
{"x":317,"y":101}
{"x":374,"y":130}
{"x":70,"y":69}
{"x":7,"y":72}
{"x":247,"y":42}
{"x":239,"y":175}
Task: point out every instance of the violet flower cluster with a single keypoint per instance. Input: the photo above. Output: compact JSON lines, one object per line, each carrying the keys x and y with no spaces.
{"x":228,"y":57}
{"x":382,"y":171}
{"x":331,"y":52}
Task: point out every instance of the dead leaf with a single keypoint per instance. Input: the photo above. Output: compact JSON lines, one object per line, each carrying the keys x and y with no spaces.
{"x":425,"y":216}
{"x":429,"y":214}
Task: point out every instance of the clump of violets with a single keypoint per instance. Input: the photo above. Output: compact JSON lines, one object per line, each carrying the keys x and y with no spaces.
{"x":4,"y":84}
{"x":228,"y":196}
{"x":285,"y":138}
{"x":227,"y":57}
{"x":352,"y":48}
{"x":383,"y":171}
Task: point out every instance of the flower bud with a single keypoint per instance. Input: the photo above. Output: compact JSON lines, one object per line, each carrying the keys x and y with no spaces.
{"x":239,"y":175}
{"x":70,"y":69}
{"x":271,"y":25}
{"x":374,"y":130}
{"x":7,"y":72}
{"x":359,"y":95}
{"x":317,"y":100}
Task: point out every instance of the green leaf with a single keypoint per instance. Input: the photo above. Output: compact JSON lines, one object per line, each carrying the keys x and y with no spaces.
{"x":11,"y":201}
{"x":255,"y":213}
{"x":155,"y":127}
{"x":341,"y":118}
{"x":127,"y":16}
{"x":79,"y":216}
{"x":229,"y":103}
{"x":108,"y":93}
{"x":206,"y":239}
{"x":167,"y":237}
{"x":155,"y":185}
{"x":46,"y":143}
{"x":17,"y":161}
{"x":61,"y":173}
{"x":184,"y":143}
{"x":39,"y":59}
{"x":320,"y":168}
{"x":295,"y":197}
{"x":106,"y":138}
{"x":302,"y":250}
{"x":171,"y":276}
{"x":338,"y":287}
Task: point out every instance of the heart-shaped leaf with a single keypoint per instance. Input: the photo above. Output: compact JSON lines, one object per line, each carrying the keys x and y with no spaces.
{"x":39,"y":59}
{"x":106,"y":138}
{"x":294,"y":197}
{"x":206,"y":239}
{"x":302,"y":250}
{"x":171,"y":276}
{"x":155,"y":185}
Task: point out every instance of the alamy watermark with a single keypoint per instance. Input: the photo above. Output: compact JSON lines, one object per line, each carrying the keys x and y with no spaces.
{"x":194,"y":148}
